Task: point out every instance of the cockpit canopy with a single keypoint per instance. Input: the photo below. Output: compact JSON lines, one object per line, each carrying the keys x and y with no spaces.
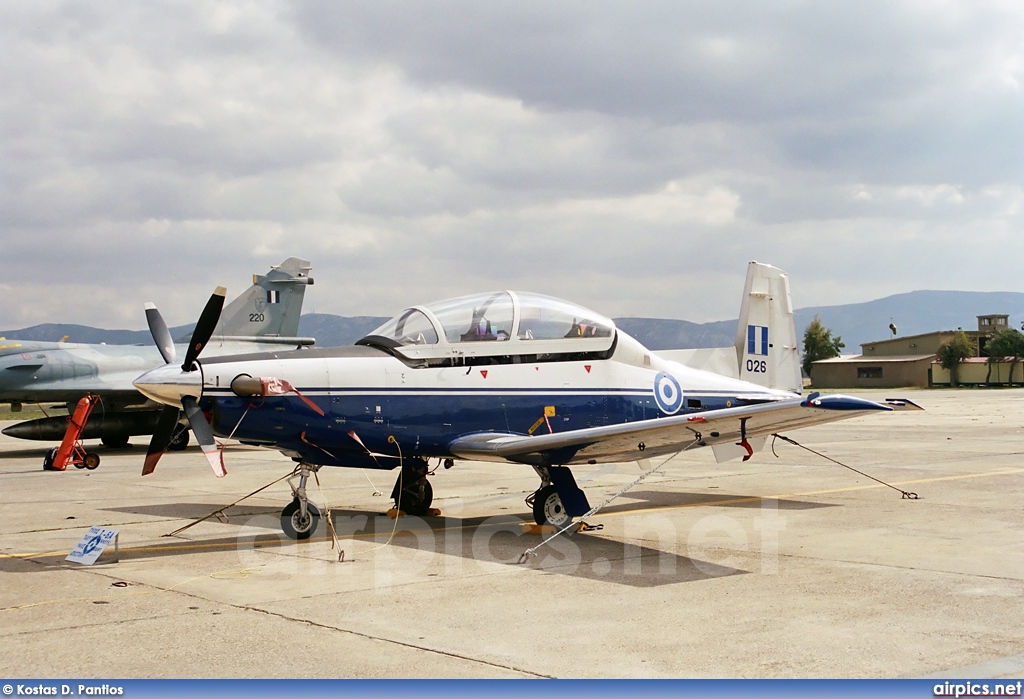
{"x":493,"y":324}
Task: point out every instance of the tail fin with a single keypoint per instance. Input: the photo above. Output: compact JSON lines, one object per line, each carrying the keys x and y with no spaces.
{"x":272,"y":305}
{"x":766,"y":341}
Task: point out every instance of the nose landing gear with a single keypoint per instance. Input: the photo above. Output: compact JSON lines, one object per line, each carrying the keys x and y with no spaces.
{"x":300,"y":518}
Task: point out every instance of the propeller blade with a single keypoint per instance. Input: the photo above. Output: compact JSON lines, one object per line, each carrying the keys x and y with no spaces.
{"x":165,"y":426}
{"x":204,"y":328}
{"x":204,"y":435}
{"x":161,"y":335}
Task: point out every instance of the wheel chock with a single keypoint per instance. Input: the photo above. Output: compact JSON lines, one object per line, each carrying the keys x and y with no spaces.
{"x":542,"y":529}
{"x":546,"y":529}
{"x":431,"y":512}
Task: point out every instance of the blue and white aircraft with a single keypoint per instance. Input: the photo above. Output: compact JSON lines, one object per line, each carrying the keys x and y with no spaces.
{"x":506,"y":377}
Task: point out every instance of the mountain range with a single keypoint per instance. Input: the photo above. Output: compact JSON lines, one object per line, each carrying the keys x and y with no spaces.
{"x":913,"y":313}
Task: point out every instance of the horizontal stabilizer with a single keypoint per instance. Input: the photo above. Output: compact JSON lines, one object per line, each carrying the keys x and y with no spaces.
{"x":902,"y":404}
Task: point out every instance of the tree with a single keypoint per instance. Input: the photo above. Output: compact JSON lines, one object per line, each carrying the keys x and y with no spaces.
{"x":819,"y":344}
{"x":1008,"y":343}
{"x":958,"y":348}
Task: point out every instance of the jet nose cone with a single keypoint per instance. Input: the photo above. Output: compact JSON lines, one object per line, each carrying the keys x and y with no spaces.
{"x":168,"y":383}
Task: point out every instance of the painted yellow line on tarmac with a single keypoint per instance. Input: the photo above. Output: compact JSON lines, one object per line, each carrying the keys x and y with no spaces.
{"x":256,"y":543}
{"x":756,"y":498}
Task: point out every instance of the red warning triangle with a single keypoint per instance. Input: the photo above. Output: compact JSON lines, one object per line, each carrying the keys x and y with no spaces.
{"x":587,"y":367}
{"x":483,"y":373}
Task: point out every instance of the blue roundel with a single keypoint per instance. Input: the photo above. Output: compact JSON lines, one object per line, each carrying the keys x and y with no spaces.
{"x":667,"y":393}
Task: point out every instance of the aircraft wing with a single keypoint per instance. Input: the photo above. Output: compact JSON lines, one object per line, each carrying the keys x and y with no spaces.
{"x":662,"y":436}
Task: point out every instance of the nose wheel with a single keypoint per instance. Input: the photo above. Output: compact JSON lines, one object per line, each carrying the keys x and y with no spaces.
{"x":300,"y":518}
{"x":298,"y":522}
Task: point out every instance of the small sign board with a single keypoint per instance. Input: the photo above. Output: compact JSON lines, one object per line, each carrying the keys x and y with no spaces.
{"x":92,"y":545}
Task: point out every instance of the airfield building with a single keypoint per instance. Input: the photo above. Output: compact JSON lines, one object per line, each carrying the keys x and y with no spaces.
{"x":912,"y":361}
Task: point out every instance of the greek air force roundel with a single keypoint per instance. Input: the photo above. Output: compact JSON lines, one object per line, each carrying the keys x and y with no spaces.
{"x":667,"y":393}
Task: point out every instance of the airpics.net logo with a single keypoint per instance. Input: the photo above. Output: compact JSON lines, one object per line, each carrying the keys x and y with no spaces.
{"x":978,"y":689}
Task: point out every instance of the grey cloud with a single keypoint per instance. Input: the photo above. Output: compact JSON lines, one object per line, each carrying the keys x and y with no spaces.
{"x":864,"y":86}
{"x":631,"y":157}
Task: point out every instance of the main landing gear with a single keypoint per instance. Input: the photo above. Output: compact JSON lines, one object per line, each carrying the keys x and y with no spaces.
{"x":549,"y":506}
{"x":300,"y":518}
{"x":412,"y":492}
{"x":179,"y":441}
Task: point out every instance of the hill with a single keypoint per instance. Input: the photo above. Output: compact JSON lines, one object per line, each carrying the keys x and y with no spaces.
{"x":857,"y":323}
{"x":913,"y":313}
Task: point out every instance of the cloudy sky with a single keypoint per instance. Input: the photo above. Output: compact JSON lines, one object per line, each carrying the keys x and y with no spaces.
{"x":629,"y":156}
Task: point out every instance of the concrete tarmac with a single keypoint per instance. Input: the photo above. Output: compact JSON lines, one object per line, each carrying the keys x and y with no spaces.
{"x":784,"y":566}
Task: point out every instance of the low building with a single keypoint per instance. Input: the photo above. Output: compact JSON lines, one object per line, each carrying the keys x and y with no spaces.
{"x":858,"y":371}
{"x":979,"y":371}
{"x":928,"y":343}
{"x":909,"y":361}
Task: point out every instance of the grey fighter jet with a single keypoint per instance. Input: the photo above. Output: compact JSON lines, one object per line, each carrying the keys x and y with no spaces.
{"x":265,"y":317}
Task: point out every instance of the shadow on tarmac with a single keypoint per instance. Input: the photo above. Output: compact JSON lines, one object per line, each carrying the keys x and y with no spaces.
{"x":484,"y":539}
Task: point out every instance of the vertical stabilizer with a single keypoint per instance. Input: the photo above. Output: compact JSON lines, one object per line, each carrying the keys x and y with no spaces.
{"x":272,"y":305}
{"x":766,"y":341}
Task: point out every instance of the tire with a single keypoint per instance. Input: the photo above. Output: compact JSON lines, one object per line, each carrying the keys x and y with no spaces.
{"x":548,"y":508}
{"x":115,"y":441}
{"x":179,"y":442}
{"x":91,"y":460}
{"x":48,"y":458}
{"x":292,"y":523}
{"x":416,"y":497}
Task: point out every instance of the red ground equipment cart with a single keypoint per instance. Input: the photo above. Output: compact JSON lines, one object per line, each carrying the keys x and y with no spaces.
{"x":71,"y":451}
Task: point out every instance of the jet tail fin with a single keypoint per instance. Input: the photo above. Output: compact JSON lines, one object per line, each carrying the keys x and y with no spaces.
{"x":271,"y":306}
{"x":766,"y":343}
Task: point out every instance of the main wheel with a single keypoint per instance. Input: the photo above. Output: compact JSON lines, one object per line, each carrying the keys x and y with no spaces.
{"x":115,"y":441}
{"x":548,"y":508}
{"x":92,"y":460}
{"x":416,"y":497}
{"x":179,"y":442}
{"x":48,"y":458}
{"x":296,"y":526}
{"x":415,"y":494}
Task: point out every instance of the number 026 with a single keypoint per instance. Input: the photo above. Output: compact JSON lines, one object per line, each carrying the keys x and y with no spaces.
{"x":757,"y":366}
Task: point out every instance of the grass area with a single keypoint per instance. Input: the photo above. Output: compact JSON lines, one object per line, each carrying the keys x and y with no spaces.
{"x":31,"y":411}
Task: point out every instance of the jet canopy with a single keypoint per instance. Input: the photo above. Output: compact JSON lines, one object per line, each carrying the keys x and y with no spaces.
{"x":500,"y":323}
